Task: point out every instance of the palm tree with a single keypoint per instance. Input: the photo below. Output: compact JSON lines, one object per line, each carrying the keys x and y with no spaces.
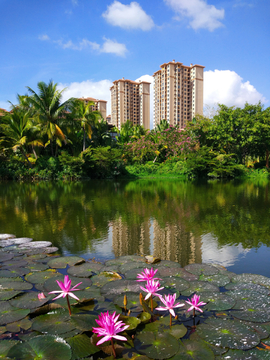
{"x":19,"y":131}
{"x":49,"y":109}
{"x":163,"y":125}
{"x":88,"y":119}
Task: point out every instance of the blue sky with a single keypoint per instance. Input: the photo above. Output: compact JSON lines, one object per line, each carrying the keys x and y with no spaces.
{"x":84,"y":45}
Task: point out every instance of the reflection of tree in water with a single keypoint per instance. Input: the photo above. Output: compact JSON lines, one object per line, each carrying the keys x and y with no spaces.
{"x":170,"y":213}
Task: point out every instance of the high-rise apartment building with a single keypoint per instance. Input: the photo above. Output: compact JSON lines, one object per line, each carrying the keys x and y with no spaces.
{"x":178,"y":93}
{"x":130,"y":100}
{"x":100,"y":105}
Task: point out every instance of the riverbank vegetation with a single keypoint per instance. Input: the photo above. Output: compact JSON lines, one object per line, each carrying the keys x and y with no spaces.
{"x":42,"y":137}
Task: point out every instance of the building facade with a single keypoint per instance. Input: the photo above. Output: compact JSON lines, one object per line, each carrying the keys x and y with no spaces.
{"x":100,"y":105}
{"x":130,"y":100}
{"x":178,"y":93}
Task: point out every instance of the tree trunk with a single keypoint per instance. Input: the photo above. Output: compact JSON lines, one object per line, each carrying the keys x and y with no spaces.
{"x":83,"y":139}
{"x":28,"y":162}
{"x":51,"y":147}
{"x":34,"y":152}
{"x":267,"y":159}
{"x":56,"y":151}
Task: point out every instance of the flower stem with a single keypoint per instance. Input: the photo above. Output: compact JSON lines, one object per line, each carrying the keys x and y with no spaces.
{"x":113,"y":349}
{"x":194,"y":312}
{"x":170,"y":319}
{"x":69,"y":310}
{"x":152,"y":305}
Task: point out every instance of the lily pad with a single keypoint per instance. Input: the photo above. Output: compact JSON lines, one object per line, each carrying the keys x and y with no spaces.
{"x":199,"y":287}
{"x":199,"y":269}
{"x":41,"y":276}
{"x":144,"y":317}
{"x":9,"y":314}
{"x":5,"y":346}
{"x":35,"y":244}
{"x":253,"y":354}
{"x":133,"y":300}
{"x":176,"y":272}
{"x":163,"y":325}
{"x":62,"y":262}
{"x":176,"y":283}
{"x":156,"y":345}
{"x":194,"y":350}
{"x":37,"y":267}
{"x":132,"y":321}
{"x":8,"y":274}
{"x":43,"y":347}
{"x":252,"y":278}
{"x":55,"y":324}
{"x":105,"y":277}
{"x":81,"y":347}
{"x":14,"y":263}
{"x":28,"y":300}
{"x":169,"y":264}
{"x":84,"y":322}
{"x":85,"y":270}
{"x":15,"y":327}
{"x":255,"y":310}
{"x":6,"y":236}
{"x":217,"y":301}
{"x":8,"y":294}
{"x":14,"y":285}
{"x":218,"y":279}
{"x":133,"y":265}
{"x":23,"y":240}
{"x":6,"y":257}
{"x":120,"y":287}
{"x":243,"y":294}
{"x":249,"y":287}
{"x":228,"y":333}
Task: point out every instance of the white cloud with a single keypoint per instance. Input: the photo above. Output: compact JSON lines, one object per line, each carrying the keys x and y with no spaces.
{"x":109,"y":46}
{"x":44,"y":37}
{"x":84,"y":44}
{"x":113,"y":47}
{"x":227,"y":87}
{"x":225,"y":255}
{"x":128,"y":16}
{"x":98,"y":90}
{"x":150,"y":79}
{"x":202,"y":15}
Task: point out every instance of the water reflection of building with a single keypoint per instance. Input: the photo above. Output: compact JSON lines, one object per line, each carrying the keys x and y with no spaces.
{"x":130,"y":239}
{"x":173,"y":242}
{"x":169,"y":242}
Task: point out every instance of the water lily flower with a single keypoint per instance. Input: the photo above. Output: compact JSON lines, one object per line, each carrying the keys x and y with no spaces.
{"x":152,"y":287}
{"x":66,"y":290}
{"x":41,"y":296}
{"x":109,"y":328}
{"x":169,"y":304}
{"x":195,"y":304}
{"x":147,"y":275}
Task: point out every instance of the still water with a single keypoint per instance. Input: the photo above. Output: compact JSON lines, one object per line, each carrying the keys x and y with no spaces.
{"x":189,"y":222}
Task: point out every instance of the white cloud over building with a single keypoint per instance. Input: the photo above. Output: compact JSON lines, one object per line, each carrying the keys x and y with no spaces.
{"x":130,"y":16}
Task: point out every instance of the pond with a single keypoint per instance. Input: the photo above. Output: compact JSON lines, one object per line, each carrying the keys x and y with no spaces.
{"x":225,"y":223}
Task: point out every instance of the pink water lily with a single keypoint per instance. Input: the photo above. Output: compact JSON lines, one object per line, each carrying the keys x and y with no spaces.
{"x":195,"y":304}
{"x":66,"y":291}
{"x":152,"y":287}
{"x":147,"y":275}
{"x":169,"y":304}
{"x":41,"y":296}
{"x":109,"y":328}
